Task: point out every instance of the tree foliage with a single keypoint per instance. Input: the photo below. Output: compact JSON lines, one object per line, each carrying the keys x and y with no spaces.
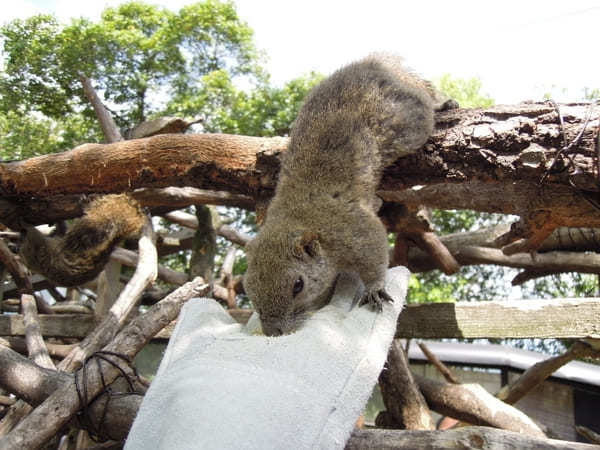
{"x":467,"y":92}
{"x":139,"y":57}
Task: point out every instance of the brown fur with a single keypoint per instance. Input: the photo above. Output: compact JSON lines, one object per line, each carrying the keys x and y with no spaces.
{"x":81,"y":254}
{"x":355,"y":122}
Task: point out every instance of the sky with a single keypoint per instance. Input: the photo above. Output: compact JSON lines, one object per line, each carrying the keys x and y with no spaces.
{"x":520,"y":50}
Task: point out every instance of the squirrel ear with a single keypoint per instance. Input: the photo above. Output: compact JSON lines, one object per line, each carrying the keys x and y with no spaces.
{"x":306,"y":243}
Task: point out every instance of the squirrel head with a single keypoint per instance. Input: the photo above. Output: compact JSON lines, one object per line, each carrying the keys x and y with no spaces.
{"x":288,"y":276}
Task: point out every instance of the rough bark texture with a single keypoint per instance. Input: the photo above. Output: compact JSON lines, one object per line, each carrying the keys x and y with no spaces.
{"x":472,"y":157}
{"x":561,"y":318}
{"x":471,"y":403}
{"x":59,"y":407}
{"x":481,"y":438}
{"x":401,"y":395}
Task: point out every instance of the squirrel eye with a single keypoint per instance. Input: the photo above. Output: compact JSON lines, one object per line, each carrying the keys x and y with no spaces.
{"x":298,"y":286}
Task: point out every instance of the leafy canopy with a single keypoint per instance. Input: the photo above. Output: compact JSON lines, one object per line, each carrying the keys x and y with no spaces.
{"x":139,"y":57}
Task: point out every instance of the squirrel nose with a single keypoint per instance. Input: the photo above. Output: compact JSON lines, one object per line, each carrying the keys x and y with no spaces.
{"x":271,"y":329}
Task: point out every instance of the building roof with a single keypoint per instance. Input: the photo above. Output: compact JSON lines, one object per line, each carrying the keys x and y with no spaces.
{"x":504,"y":356}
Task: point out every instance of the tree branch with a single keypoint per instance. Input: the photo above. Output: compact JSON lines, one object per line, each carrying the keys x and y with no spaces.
{"x":401,"y":395}
{"x":473,"y":404}
{"x":59,"y":407}
{"x":482,"y":438}
{"x":537,"y":373}
{"x":108,"y":125}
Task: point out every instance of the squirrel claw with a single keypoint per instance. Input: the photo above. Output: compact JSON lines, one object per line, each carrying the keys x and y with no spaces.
{"x":375,"y":299}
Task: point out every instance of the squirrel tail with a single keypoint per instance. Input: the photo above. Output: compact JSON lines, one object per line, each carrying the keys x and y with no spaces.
{"x":81,"y":254}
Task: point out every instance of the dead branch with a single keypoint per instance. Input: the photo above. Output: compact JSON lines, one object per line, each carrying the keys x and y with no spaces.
{"x":118,"y":314}
{"x":402,"y":398}
{"x":439,"y":365}
{"x":537,"y":373}
{"x":59,"y":407}
{"x":227,"y":276}
{"x":33,"y":337}
{"x":38,"y":353}
{"x":478,"y":155}
{"x":182,"y":197}
{"x":562,"y":239}
{"x":7,"y":401}
{"x":567,"y":206}
{"x":109,"y":128}
{"x":552,"y":262}
{"x":161,"y":125}
{"x":207,"y":161}
{"x":15,"y":268}
{"x":130,"y":259}
{"x":473,"y":404}
{"x":482,"y":438}
{"x":588,"y":434}
{"x":18,"y":344}
{"x":223,"y":230}
{"x":20,"y":276}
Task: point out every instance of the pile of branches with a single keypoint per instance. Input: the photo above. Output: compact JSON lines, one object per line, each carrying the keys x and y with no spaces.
{"x":542,"y":161}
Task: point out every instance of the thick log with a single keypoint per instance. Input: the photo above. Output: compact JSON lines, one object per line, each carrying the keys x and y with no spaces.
{"x":558,"y":318}
{"x":208,"y":161}
{"x":481,"y":438}
{"x":500,"y":154}
{"x":471,"y":403}
{"x":55,"y":325}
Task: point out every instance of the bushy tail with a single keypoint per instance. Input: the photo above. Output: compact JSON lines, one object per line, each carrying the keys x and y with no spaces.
{"x":80,"y":255}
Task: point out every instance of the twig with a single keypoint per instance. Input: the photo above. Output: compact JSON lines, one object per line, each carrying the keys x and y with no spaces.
{"x":567,"y":147}
{"x":441,"y":367}
{"x":16,"y":268}
{"x":537,"y":373}
{"x":109,"y":128}
{"x":20,"y":276}
{"x":590,"y":435}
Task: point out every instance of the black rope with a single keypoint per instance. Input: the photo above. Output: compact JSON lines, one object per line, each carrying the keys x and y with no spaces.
{"x":98,"y":432}
{"x":566,"y":148}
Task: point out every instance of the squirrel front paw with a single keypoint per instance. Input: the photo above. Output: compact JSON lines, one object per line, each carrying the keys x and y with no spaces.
{"x":374,"y":299}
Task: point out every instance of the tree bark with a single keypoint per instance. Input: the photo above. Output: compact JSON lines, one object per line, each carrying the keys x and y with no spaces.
{"x":59,"y":407}
{"x":481,"y":438}
{"x":560,"y":318}
{"x":401,"y":395}
{"x":473,"y":404}
{"x":473,"y":156}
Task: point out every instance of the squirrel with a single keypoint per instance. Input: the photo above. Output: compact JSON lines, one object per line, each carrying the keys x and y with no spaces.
{"x":81,"y":254}
{"x":322,"y":220}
